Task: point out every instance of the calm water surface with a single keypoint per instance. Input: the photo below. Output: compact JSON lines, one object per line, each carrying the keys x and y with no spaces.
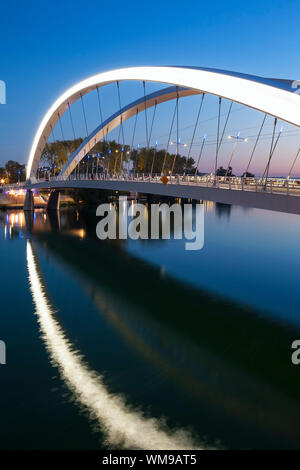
{"x":142,"y":344}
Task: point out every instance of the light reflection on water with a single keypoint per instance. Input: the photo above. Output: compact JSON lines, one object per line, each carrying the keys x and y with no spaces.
{"x":121,"y":424}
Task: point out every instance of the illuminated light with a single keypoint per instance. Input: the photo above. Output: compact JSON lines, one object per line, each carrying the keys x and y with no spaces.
{"x":82,"y":233}
{"x":2,"y":181}
{"x":229,"y":137}
{"x":122,"y":424}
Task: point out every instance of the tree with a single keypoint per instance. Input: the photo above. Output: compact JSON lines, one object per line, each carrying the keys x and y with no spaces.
{"x":222,"y":171}
{"x":56,"y":154}
{"x":143,"y":159}
{"x":247,"y":174}
{"x":14,"y":172}
{"x":113,"y":157}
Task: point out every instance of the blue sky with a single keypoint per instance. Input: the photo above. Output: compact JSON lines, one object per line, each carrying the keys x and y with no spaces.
{"x":48,"y":46}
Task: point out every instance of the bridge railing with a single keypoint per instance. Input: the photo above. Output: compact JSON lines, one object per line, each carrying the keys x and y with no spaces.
{"x":230,"y":183}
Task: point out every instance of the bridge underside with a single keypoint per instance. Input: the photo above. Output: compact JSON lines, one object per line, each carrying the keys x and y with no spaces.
{"x":288,"y":203}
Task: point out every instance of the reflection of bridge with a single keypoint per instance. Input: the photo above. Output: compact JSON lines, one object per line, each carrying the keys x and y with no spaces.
{"x":273,"y":97}
{"x":191,"y":352}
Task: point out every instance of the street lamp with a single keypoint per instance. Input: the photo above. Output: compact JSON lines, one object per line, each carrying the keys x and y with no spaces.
{"x":178,"y":143}
{"x":237,"y":139}
{"x":200,"y":154}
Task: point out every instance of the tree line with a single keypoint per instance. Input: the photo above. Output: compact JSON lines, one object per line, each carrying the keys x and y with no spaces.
{"x":12,"y":172}
{"x":114,"y":157}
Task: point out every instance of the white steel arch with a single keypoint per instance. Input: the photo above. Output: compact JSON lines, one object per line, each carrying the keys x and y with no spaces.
{"x":161,"y":96}
{"x":272,"y":96}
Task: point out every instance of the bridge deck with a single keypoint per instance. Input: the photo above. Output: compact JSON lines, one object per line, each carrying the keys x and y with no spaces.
{"x":278,"y":194}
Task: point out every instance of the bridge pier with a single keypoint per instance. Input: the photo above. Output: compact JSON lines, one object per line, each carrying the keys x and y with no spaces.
{"x":29,"y":201}
{"x":54,"y":201}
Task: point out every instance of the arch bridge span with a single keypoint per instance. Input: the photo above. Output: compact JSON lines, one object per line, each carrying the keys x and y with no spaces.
{"x":272,"y":96}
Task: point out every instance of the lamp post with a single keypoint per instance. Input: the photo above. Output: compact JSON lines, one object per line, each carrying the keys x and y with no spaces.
{"x":200,"y":154}
{"x":237,"y":139}
{"x":154,"y":153}
{"x":178,"y":143}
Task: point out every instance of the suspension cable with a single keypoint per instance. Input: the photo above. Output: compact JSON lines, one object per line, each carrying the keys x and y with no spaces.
{"x":52,"y":132}
{"x":177,"y":132}
{"x":116,"y":158}
{"x":153,"y":159}
{"x":62,"y":133}
{"x":146,"y":124}
{"x":225,"y":125}
{"x":200,"y":154}
{"x":83,"y":110}
{"x":266,"y":172}
{"x":256,"y":142}
{"x":218,"y":133}
{"x":153,"y":117}
{"x":121,"y":124}
{"x":71,"y":119}
{"x":101,"y":120}
{"x":132,"y":141}
{"x":74,"y":135}
{"x":146,"y":120}
{"x":271,"y":151}
{"x":120,"y":107}
{"x":150,"y":135}
{"x":100,"y":113}
{"x":170,"y":133}
{"x":196,"y":124}
{"x":54,"y":140}
{"x":293,"y":164}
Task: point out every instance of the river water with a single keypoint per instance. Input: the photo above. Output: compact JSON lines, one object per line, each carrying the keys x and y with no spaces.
{"x":143,"y":344}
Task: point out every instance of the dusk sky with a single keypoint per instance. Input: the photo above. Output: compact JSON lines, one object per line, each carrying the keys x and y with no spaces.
{"x":48,"y":46}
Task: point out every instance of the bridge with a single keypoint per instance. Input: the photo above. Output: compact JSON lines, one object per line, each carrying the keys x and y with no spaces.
{"x":277,"y":99}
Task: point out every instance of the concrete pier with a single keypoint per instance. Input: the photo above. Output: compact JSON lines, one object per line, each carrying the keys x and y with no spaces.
{"x":29,"y":202}
{"x":53,"y":201}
